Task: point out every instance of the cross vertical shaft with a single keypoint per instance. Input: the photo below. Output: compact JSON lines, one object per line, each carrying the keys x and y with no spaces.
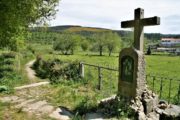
{"x":138,"y":29}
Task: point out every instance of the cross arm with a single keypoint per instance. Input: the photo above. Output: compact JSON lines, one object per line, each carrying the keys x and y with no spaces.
{"x":151,"y":21}
{"x":127,"y":24}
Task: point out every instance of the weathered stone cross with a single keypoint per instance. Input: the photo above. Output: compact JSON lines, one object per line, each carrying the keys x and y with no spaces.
{"x":138,"y":25}
{"x":132,"y":76}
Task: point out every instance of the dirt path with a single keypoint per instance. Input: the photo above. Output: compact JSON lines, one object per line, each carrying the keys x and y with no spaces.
{"x":39,"y":108}
{"x":27,"y":98}
{"x":32,"y":100}
{"x":31,"y":85}
{"x":30,"y":72}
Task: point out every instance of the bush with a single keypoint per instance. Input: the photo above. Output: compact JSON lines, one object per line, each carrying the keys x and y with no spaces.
{"x":9,"y":55}
{"x":57,"y":70}
{"x":117,"y":107}
{"x":85,"y":106}
{"x":3,"y":88}
{"x":65,"y":71}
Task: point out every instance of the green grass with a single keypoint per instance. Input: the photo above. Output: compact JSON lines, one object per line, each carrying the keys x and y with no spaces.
{"x":73,"y":94}
{"x":167,"y":66}
{"x":161,"y":66}
{"x":8,"y":112}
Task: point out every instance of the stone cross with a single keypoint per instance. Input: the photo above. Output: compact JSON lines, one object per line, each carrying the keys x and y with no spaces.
{"x":138,"y":25}
{"x":132,"y":76}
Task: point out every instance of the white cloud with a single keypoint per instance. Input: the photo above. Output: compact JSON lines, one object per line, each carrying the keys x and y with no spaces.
{"x":109,"y":13}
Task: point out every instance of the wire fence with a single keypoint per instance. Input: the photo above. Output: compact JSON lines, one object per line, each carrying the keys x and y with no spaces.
{"x":167,"y":88}
{"x":104,"y":81}
{"x":101,"y":79}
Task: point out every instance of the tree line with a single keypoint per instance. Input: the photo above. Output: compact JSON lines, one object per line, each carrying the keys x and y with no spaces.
{"x":68,"y":42}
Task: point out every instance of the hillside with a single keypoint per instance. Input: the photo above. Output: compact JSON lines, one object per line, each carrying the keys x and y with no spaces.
{"x":89,"y":30}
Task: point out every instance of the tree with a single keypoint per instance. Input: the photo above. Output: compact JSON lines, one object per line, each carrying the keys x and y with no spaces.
{"x":66,"y":43}
{"x":100,"y":42}
{"x":84,"y":45}
{"x":18,"y":15}
{"x":149,"y":51}
{"x":113,"y":42}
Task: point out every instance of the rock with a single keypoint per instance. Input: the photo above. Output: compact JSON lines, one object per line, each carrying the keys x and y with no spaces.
{"x":93,"y":116}
{"x":35,"y":106}
{"x":132,"y":101}
{"x":24,"y":103}
{"x":141,"y":116}
{"x":61,"y":114}
{"x":170,"y":113}
{"x":46,"y":109}
{"x":153,"y":116}
{"x":163,"y":102}
{"x":107,"y":99}
{"x":148,"y":105}
{"x":163,"y":106}
{"x":9,"y":99}
{"x":155,"y":100}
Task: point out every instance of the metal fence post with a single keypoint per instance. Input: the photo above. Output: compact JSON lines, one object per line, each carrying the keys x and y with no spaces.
{"x":161,"y":88}
{"x":154,"y":78}
{"x":179,"y":94}
{"x":169,"y":91}
{"x":100,"y":78}
{"x":81,"y":69}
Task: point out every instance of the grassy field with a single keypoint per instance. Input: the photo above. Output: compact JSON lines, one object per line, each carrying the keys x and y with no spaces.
{"x":83,"y":95}
{"x":161,"y":66}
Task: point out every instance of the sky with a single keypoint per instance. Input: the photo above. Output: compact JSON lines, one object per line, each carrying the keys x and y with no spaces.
{"x":110,"y":13}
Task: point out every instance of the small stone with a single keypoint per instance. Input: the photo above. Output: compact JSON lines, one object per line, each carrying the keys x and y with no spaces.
{"x":141,"y":108}
{"x":153,"y":94}
{"x":148,"y":105}
{"x":132,"y":101}
{"x":61,"y":114}
{"x":163,"y":101}
{"x":141,"y":116}
{"x":163,"y":106}
{"x":93,"y":116}
{"x":153,"y":116}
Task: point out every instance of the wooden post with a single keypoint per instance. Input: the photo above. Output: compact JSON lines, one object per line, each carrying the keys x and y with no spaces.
{"x":81,"y":69}
{"x":100,"y":78}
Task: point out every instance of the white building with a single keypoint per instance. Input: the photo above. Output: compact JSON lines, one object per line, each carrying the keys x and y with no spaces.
{"x":170,"y":42}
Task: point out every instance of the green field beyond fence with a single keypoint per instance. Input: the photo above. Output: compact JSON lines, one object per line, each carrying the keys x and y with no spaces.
{"x":105,"y":79}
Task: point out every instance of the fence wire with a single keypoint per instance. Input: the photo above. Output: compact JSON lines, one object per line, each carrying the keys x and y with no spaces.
{"x":102,"y":82}
{"x":167,"y":88}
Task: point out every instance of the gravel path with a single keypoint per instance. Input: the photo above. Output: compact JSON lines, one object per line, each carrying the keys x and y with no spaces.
{"x":30,"y":72}
{"x":31,"y":75}
{"x":38,"y":108}
{"x":31,"y":85}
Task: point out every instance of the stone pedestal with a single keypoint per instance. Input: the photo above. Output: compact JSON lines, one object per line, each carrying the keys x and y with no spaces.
{"x":131,"y":73}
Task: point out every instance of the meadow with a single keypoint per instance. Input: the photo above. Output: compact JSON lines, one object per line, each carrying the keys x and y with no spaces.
{"x":161,"y":66}
{"x":83,"y":96}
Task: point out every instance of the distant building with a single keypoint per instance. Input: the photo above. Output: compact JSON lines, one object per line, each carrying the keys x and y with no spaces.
{"x":170,"y":42}
{"x":171,"y":45}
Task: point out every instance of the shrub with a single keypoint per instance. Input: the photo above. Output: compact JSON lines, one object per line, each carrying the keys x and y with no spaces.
{"x":85,"y":106}
{"x":117,"y":107}
{"x":57,"y":70}
{"x":9,"y":55}
{"x":65,"y":71}
{"x":3,"y":88}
